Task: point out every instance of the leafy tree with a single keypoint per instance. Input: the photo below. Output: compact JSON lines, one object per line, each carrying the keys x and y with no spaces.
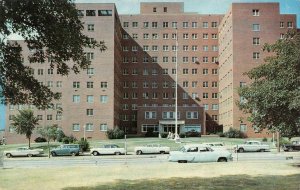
{"x":49,"y":132}
{"x":273,"y":97}
{"x":53,"y":30}
{"x":24,"y":123}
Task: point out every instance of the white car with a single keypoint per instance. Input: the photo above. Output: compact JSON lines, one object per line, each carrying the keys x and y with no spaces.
{"x":252,"y":146}
{"x":216,"y":145}
{"x":107,"y":149}
{"x":152,"y":149}
{"x":23,"y":151}
{"x":199,"y":153}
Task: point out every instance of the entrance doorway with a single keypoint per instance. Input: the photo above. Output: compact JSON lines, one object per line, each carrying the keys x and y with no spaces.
{"x":170,"y":128}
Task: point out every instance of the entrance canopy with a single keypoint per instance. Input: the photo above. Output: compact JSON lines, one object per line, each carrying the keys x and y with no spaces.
{"x":171,"y":122}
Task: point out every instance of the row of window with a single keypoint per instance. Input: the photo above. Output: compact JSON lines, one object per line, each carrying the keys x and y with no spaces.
{"x":89,"y":127}
{"x":165,"y":71}
{"x":171,"y":115}
{"x":155,"y":36}
{"x":90,"y":84}
{"x":173,"y":47}
{"x":167,"y":84}
{"x":90,"y":99}
{"x":93,"y":12}
{"x":256,"y":27}
{"x":170,"y":24}
{"x":57,"y":106}
{"x":165,"y":95}
{"x":165,"y":59}
{"x":134,"y":106}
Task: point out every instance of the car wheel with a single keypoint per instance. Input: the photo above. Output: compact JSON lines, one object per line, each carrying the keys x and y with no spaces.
{"x":53,"y":154}
{"x":29,"y":155}
{"x":162,"y":152}
{"x":73,"y":154}
{"x":95,"y":153}
{"x":262,"y":150}
{"x":8,"y":155}
{"x":290,"y":149}
{"x":240,"y":150}
{"x":182,"y":161}
{"x":117,"y":153}
{"x":139,"y":152}
{"x":222,"y":160}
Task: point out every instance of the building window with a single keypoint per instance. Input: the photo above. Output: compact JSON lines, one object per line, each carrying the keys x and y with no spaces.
{"x":205,"y":36}
{"x":214,"y":36}
{"x":194,"y":25}
{"x":59,"y":84}
{"x":165,"y":59}
{"x":214,"y":59}
{"x":255,"y":12}
{"x":90,"y":13}
{"x":165,"y":9}
{"x":40,"y":72}
{"x":290,"y":24}
{"x":103,"y":127}
{"x":206,"y":107}
{"x":194,"y":48}
{"x":174,"y":24}
{"x":194,"y":36}
{"x":125,"y":24}
{"x":165,"y":84}
{"x":90,"y":27}
{"x":256,"y":41}
{"x":90,"y":98}
{"x":89,"y":112}
{"x":125,"y":60}
{"x":145,"y":95}
{"x":185,"y":48}
{"x":281,"y":24}
{"x":192,"y":115}
{"x":170,"y":115}
{"x":134,"y":24}
{"x":215,"y":117}
{"x":154,"y":9}
{"x":134,"y":48}
{"x":125,"y":36}
{"x":104,"y":98}
{"x":49,"y":117}
{"x":214,"y":24}
{"x":165,"y":71}
{"x":104,"y":12}
{"x":185,"y":24}
{"x":205,"y":25}
{"x":135,"y":36}
{"x":89,"y":55}
{"x":76,"y":98}
{"x":174,"y":59}
{"x":165,"y":36}
{"x":195,"y":95}
{"x":154,"y":48}
{"x":154,"y":85}
{"x":153,"y":128}
{"x":214,"y":95}
{"x":165,"y":24}
{"x":76,"y":127}
{"x":185,"y":36}
{"x":214,"y":71}
{"x":214,"y":47}
{"x":255,"y":27}
{"x":185,"y":84}
{"x":146,"y":36}
{"x":243,"y":127}
{"x":256,"y":55}
{"x":154,"y":71}
{"x":214,"y":84}
{"x":194,"y":71}
{"x":76,"y":84}
{"x":90,"y":84}
{"x":185,"y":59}
{"x":281,"y":36}
{"x":205,"y":95}
{"x":215,"y":106}
{"x":50,"y":84}
{"x":89,"y":127}
{"x":154,"y":24}
{"x":165,"y":95}
{"x":150,"y":115}
{"x":154,"y":95}
{"x":125,"y":72}
{"x":50,"y":71}
{"x":205,"y":48}
{"x":146,"y":24}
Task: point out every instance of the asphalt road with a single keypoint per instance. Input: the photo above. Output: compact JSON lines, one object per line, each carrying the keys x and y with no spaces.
{"x":69,"y":161}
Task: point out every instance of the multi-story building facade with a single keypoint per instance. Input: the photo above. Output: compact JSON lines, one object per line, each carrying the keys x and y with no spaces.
{"x":132,"y":84}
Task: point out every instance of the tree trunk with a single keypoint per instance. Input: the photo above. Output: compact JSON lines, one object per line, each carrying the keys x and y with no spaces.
{"x":29,"y":142}
{"x":48,"y":148}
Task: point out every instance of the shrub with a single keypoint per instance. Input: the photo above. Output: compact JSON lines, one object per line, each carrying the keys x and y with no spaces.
{"x":115,"y":133}
{"x":221,"y":134}
{"x":234,"y":133}
{"x":40,"y":139}
{"x":69,"y":139}
{"x":150,"y":133}
{"x":193,"y":133}
{"x":264,"y":139}
{"x":60,"y":136}
{"x":84,"y":145}
{"x":182,"y":135}
{"x":164,"y":135}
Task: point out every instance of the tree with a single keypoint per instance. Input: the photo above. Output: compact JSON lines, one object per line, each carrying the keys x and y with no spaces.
{"x":53,"y":31}
{"x":273,"y":97}
{"x":49,"y":132}
{"x":24,"y":123}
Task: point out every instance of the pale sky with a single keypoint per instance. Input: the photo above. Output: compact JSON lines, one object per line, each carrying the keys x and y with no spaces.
{"x":198,"y":6}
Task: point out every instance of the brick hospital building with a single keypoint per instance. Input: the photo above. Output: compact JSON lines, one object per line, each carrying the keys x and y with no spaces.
{"x":132,"y":84}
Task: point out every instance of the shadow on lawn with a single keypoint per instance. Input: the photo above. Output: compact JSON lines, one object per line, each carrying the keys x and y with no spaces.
{"x":234,"y":182}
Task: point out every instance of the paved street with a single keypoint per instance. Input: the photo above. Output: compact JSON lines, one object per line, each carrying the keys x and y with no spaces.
{"x":37,"y":162}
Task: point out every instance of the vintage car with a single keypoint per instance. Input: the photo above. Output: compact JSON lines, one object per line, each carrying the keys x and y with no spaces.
{"x":295,"y":145}
{"x":23,"y":151}
{"x":199,"y":153}
{"x":108,"y":149}
{"x":216,"y":145}
{"x":252,"y":146}
{"x":152,"y":149}
{"x":66,"y":149}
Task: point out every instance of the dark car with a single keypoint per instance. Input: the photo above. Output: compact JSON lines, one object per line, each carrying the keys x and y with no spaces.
{"x":66,"y":149}
{"x":295,"y":145}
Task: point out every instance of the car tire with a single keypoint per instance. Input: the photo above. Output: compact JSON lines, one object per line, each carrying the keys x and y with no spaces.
{"x":290,"y":149}
{"x":9,"y":155}
{"x":29,"y":155}
{"x":53,"y":154}
{"x":241,"y":150}
{"x":262,"y":150}
{"x":162,"y":152}
{"x":139,"y":152}
{"x":182,"y":161}
{"x":222,"y":160}
{"x":117,"y":153}
{"x":95,"y":153}
{"x":73,"y":153}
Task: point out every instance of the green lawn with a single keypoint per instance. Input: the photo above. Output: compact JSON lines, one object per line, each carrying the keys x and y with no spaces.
{"x":235,"y":182}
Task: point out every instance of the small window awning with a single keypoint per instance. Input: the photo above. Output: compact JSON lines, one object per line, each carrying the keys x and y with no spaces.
{"x":171,"y":122}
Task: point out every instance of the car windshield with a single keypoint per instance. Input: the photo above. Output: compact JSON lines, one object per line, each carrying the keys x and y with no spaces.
{"x":182,"y":149}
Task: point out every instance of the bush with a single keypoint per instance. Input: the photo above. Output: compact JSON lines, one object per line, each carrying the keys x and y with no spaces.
{"x":69,"y":140}
{"x":40,"y":139}
{"x":234,"y":133}
{"x":60,"y":136}
{"x":182,"y":135}
{"x":150,"y":133}
{"x":264,"y":139}
{"x":164,"y":135}
{"x":193,"y":133}
{"x":115,"y":133}
{"x":84,"y":145}
{"x":221,"y":134}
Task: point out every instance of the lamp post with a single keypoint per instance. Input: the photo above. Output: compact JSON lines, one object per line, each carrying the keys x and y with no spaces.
{"x":176,"y":89}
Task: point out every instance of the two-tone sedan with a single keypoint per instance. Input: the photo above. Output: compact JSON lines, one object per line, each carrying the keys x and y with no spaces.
{"x":199,"y":153}
{"x":152,"y":149}
{"x":107,"y":149}
{"x":24,"y":151}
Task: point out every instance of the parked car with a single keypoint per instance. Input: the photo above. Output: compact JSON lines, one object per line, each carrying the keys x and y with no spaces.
{"x":295,"y":145}
{"x":108,"y":149}
{"x":252,"y":146}
{"x":24,"y":151}
{"x":216,"y":145}
{"x":199,"y":153}
{"x":151,"y":149}
{"x":66,"y":149}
